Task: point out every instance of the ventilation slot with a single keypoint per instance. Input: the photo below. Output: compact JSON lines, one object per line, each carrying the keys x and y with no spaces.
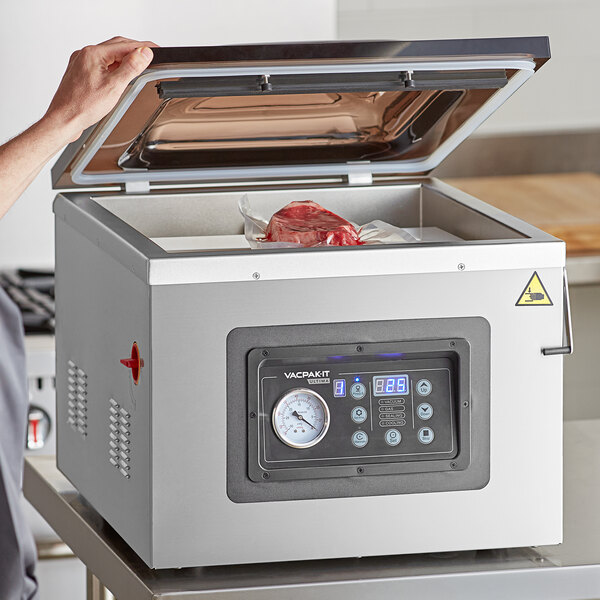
{"x":119,"y":450}
{"x":77,"y":398}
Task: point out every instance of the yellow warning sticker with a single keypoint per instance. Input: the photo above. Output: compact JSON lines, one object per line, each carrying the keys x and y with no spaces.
{"x":534,"y":294}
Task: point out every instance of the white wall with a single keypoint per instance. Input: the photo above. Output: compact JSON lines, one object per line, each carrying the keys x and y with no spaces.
{"x":563,"y":95}
{"x":36,"y":39}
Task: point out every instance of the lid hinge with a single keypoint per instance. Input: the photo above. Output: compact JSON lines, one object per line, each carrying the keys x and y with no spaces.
{"x":137,"y":187}
{"x":360,"y":173}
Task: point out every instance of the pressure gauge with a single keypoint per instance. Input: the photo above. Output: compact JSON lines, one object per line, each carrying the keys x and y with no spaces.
{"x":301,"y":418}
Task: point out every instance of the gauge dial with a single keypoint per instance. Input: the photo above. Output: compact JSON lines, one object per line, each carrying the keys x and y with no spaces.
{"x":301,"y":418}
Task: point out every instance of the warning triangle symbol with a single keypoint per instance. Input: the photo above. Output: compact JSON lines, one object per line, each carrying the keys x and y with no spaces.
{"x":534,"y":294}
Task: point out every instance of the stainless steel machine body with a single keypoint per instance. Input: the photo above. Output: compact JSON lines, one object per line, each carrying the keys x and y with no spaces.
{"x":424,"y":393}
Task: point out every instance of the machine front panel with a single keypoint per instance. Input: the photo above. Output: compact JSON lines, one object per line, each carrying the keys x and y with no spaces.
{"x":393,"y":415}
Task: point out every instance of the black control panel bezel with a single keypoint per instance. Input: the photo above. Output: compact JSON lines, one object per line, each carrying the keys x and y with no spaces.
{"x":268,"y":455}
{"x":464,"y":340}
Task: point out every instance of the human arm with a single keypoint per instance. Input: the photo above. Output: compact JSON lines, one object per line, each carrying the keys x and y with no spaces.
{"x":95,"y":78}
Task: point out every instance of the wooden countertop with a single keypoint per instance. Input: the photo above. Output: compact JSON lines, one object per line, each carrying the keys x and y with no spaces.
{"x":566,"y":205}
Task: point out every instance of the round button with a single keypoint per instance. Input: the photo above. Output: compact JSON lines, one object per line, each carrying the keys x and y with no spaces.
{"x":423,"y":387}
{"x":360,"y":439}
{"x":425,"y":411}
{"x":358,"y":391}
{"x":359,"y":414}
{"x":425,"y":435}
{"x":393,"y":437}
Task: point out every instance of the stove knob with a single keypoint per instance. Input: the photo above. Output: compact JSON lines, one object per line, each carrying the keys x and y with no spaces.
{"x":38,"y":428}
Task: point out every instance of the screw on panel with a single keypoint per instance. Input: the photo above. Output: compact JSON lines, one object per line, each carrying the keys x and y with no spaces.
{"x":359,"y":348}
{"x":265,"y":353}
{"x":461,"y":266}
{"x":360,"y":470}
{"x":266,"y":475}
{"x":452,"y":344}
{"x":453,"y":465}
{"x":255,"y":275}
{"x":253,"y":415}
{"x":465,"y":404}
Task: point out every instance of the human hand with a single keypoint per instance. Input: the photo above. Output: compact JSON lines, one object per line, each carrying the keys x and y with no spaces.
{"x":95,"y":78}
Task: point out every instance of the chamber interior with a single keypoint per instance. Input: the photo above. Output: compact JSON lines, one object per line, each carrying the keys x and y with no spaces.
{"x":211,"y":221}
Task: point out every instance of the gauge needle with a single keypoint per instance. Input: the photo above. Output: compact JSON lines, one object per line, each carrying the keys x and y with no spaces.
{"x":299,"y":416}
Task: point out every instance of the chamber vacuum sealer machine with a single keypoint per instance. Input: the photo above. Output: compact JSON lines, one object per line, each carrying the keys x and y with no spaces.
{"x":219,"y":404}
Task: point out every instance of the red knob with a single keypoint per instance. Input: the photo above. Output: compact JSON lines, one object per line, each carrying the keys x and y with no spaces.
{"x":135,"y":363}
{"x":130,"y":363}
{"x":38,"y":429}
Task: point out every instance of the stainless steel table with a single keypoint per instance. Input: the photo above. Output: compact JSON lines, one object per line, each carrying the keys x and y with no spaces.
{"x":569,"y":571}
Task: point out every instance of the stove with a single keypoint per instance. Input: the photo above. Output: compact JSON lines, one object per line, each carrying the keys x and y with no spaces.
{"x":33,"y":292}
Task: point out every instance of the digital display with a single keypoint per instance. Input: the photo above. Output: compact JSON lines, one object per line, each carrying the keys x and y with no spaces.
{"x":390,"y":385}
{"x":339,"y":388}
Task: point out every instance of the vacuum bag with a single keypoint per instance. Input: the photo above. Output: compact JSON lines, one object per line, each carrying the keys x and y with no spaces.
{"x":306,"y":224}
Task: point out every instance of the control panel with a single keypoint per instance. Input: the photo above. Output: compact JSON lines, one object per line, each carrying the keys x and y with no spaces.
{"x":318,"y":414}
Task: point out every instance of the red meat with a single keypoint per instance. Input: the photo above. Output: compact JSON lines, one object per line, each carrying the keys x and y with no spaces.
{"x":309,"y":224}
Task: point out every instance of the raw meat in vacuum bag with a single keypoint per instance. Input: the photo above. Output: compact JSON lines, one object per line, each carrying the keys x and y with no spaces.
{"x":309,"y":224}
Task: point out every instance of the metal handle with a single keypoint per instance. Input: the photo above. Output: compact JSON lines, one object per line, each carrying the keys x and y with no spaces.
{"x":567,"y":348}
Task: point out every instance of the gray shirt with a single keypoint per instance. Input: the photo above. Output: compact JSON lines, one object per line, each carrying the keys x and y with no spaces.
{"x":17,"y":548}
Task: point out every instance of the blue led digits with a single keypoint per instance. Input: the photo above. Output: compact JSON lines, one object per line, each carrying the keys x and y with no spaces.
{"x":390,"y":385}
{"x":402,"y":384}
{"x":339,"y":388}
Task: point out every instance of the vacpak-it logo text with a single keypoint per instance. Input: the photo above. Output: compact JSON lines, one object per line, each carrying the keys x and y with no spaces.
{"x":305,"y":374}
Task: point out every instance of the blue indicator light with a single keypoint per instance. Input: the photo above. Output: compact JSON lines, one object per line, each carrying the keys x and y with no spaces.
{"x":357,"y":379}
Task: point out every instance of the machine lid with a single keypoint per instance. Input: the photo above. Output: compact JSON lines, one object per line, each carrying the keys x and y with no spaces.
{"x":277,"y":111}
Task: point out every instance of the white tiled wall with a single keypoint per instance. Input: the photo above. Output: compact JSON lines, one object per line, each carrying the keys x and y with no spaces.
{"x":563,"y":95}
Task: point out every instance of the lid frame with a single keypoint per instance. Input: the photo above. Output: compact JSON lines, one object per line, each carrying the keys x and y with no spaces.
{"x":524,"y":67}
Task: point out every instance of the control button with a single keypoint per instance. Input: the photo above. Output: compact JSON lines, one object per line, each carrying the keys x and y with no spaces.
{"x":391,"y":408}
{"x":392,"y":423}
{"x":425,"y":411}
{"x":390,"y":401}
{"x":423,"y":387}
{"x":392,"y":437}
{"x":425,"y":435}
{"x":358,"y":414}
{"x":392,"y":415}
{"x":358,"y":391}
{"x":360,"y":439}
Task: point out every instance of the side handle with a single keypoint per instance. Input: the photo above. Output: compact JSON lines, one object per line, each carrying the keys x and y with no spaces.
{"x":567,"y":347}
